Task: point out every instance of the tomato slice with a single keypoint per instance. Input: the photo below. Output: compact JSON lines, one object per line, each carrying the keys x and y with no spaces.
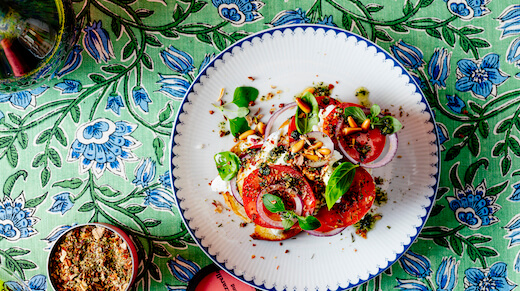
{"x":291,"y":128}
{"x":280,"y":181}
{"x":364,"y":147}
{"x":324,"y":101}
{"x":353,"y":205}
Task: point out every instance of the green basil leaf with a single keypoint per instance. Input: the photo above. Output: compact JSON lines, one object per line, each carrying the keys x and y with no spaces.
{"x":242,"y":112}
{"x":374,"y":111}
{"x":287,"y":223}
{"x":305,"y":124}
{"x":339,"y":182}
{"x":357,"y":113}
{"x":228,"y":165}
{"x":273,"y":203}
{"x":309,"y":222}
{"x":389,"y":125}
{"x":244,"y":95}
{"x":238,"y":125}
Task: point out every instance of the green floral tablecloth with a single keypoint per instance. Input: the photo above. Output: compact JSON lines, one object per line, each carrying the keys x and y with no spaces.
{"x":92,"y":144}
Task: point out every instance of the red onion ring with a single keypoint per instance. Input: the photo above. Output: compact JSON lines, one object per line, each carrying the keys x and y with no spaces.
{"x":234,"y":191}
{"x":298,"y":206}
{"x":328,"y":233}
{"x":275,"y":115}
{"x":393,"y":142}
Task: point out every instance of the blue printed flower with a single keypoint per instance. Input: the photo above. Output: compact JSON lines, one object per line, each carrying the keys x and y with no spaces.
{"x":183,"y":269}
{"x":287,"y":17}
{"x":36,"y":283}
{"x":510,"y":20}
{"x":239,"y":12}
{"x":411,"y":285}
{"x":327,"y":20}
{"x":439,"y":67}
{"x":492,"y":279}
{"x":166,"y":180}
{"x":57,"y":232}
{"x":141,"y":98}
{"x":468,"y":9}
{"x":473,"y":208}
{"x":513,"y":53}
{"x":481,"y":78}
{"x":16,"y":221}
{"x":115,"y":103}
{"x":62,"y":203}
{"x":1,"y":116}
{"x":446,"y":276}
{"x":144,"y":173}
{"x":22,"y":99}
{"x":98,"y":43}
{"x":177,"y":60}
{"x":160,"y":199}
{"x":103,"y":144}
{"x":206,"y":61}
{"x":173,"y":86}
{"x":443,"y":134}
{"x":69,"y":86}
{"x":416,"y":265}
{"x":409,"y":56}
{"x":456,"y":104}
{"x":74,"y":59}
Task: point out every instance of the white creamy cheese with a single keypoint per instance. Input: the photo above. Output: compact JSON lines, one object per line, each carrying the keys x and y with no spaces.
{"x":336,"y":156}
{"x":219,"y":185}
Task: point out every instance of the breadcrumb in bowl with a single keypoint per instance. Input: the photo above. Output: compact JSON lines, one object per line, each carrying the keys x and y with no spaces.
{"x":93,"y":256}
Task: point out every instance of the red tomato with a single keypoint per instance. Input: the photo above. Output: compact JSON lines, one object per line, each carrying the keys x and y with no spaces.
{"x":324,"y":101}
{"x":353,"y":205}
{"x":367,"y":146}
{"x":255,"y":184}
{"x":291,"y":128}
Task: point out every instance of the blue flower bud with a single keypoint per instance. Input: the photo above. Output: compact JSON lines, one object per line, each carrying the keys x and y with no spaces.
{"x":416,"y":265}
{"x":97,"y":42}
{"x":183,"y":269}
{"x":408,"y":55}
{"x":141,"y":98}
{"x":510,"y":20}
{"x":439,"y":67}
{"x":446,"y":277}
{"x":144,"y":173}
{"x":177,"y":60}
{"x":513,"y":53}
{"x":287,"y":17}
{"x":160,"y":199}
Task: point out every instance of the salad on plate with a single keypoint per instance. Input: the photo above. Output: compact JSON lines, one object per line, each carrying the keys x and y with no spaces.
{"x":308,"y":167}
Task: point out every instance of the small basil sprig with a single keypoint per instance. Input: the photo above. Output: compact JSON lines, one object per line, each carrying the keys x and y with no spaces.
{"x":275,"y":204}
{"x":387,"y":124}
{"x":228,"y":165}
{"x":305,"y":123}
{"x":339,"y":182}
{"x":242,"y":97}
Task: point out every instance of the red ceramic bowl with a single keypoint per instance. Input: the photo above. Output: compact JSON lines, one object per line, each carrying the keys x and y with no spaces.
{"x":93,"y":256}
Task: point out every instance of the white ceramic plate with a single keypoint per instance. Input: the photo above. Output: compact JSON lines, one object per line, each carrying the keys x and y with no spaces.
{"x":291,"y":59}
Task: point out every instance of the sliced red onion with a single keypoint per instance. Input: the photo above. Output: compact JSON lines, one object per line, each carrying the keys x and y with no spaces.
{"x":276,"y":114}
{"x":298,"y":206}
{"x":390,"y":154}
{"x":328,"y":233}
{"x":234,"y":190}
{"x":327,"y":143}
{"x":392,"y":141}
